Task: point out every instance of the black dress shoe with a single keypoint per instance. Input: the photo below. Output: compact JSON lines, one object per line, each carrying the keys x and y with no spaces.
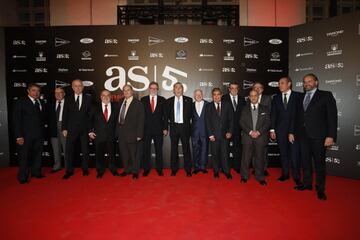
{"x":160,"y":173}
{"x":135,"y":176}
{"x":99,"y":175}
{"x":266,"y":173}
{"x":303,"y":187}
{"x":253,"y":172}
{"x":243,"y":180}
{"x":68,"y":175}
{"x":204,"y":171}
{"x":39,"y":176}
{"x":115,"y":173}
{"x":188,"y":174}
{"x":283,"y":178}
{"x":228,"y":176}
{"x":298,"y":182}
{"x":237,"y":171}
{"x":195,"y":171}
{"x":216,"y":175}
{"x":321,"y":195}
{"x":173,"y":173}
{"x":146,"y":173}
{"x":23,"y":181}
{"x":85,"y":172}
{"x":263,"y":183}
{"x":124,"y":174}
{"x":55,"y":170}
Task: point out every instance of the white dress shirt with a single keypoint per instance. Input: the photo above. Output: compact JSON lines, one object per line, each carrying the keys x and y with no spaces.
{"x":199,"y":106}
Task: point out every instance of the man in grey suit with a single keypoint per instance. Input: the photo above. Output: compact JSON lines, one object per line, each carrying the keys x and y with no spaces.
{"x":255,"y":124}
{"x":264,"y":100}
{"x":130,"y":132}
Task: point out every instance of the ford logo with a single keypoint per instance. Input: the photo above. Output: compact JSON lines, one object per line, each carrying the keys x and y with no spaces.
{"x":273,"y":84}
{"x":181,"y":39}
{"x":275,"y":41}
{"x":86,"y":40}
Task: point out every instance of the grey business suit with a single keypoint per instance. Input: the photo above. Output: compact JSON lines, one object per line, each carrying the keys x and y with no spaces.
{"x":256,"y":147}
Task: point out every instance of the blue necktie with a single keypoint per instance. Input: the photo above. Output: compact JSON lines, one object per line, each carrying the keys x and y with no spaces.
{"x":307,"y":100}
{"x":177,"y":120}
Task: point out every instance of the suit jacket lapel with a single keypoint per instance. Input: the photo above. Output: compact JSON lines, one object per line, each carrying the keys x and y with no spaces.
{"x":313,"y":100}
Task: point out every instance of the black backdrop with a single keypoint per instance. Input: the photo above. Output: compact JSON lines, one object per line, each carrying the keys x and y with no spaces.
{"x":199,"y":56}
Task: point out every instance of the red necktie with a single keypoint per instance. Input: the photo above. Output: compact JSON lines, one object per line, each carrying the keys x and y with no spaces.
{"x":152,"y":104}
{"x":106,"y":113}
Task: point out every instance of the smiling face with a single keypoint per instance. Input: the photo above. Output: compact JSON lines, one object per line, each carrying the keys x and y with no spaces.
{"x":233,"y":89}
{"x":310,"y":83}
{"x":198,"y":95}
{"x":259,"y":88}
{"x":153,"y":89}
{"x":178,"y":89}
{"x":34,"y":92}
{"x":254,"y":96}
{"x":59,"y":94}
{"x":128,"y":92}
{"x":105,"y":96}
{"x":284,"y":85}
{"x":77,"y":86}
{"x":216,"y":95}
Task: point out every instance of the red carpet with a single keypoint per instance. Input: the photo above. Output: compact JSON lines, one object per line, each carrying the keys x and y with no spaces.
{"x":178,"y":207}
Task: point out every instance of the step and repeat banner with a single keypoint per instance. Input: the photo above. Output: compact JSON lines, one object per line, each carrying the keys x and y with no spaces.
{"x":108,"y":57}
{"x":331,"y":50}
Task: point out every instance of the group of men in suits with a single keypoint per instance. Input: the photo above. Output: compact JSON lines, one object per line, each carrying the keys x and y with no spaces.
{"x":303,"y":124}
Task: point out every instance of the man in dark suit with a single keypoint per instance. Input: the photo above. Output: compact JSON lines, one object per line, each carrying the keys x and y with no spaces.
{"x":283,"y":106}
{"x":315,"y":125}
{"x":130,"y":132}
{"x":75,"y":127}
{"x":199,"y":137}
{"x":57,"y":139}
{"x":28,"y":121}
{"x":155,"y":128}
{"x":103,"y":122}
{"x":219,"y":123}
{"x":238,"y":102}
{"x":255,"y":124}
{"x":179,"y":113}
{"x":264,"y":100}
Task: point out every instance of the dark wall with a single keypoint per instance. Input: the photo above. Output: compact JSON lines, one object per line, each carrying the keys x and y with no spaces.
{"x":331,"y":50}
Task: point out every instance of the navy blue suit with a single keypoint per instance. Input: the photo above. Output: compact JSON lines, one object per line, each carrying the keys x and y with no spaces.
{"x":199,"y":138}
{"x":280,"y":123}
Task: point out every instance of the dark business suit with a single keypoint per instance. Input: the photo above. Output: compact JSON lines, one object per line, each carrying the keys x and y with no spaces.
{"x":105,"y":135}
{"x":28,"y":122}
{"x":266,"y":101}
{"x":254,"y":148}
{"x":280,"y":123}
{"x":199,"y":138}
{"x":128,"y":133}
{"x":180,"y":132}
{"x":235,"y":139}
{"x":155,"y":124}
{"x":77,"y":123}
{"x":217,"y":126}
{"x":312,"y":126}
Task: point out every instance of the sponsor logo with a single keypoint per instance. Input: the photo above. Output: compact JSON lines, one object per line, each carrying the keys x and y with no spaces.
{"x":133,"y":56}
{"x":63,"y":70}
{"x":203,"y":55}
{"x":333,"y":81}
{"x":154,"y":40}
{"x":60,"y":42}
{"x":40,"y":57}
{"x":304,"y":54}
{"x":205,"y":69}
{"x":334,"y":33}
{"x":299,"y":84}
{"x":273,"y":84}
{"x":229,"y":41}
{"x":334,"y":65}
{"x":156,"y":55}
{"x":303,"y":69}
{"x":40,"y":70}
{"x":304,"y":39}
{"x":86,"y":70}
{"x":19,"y":42}
{"x":206,"y":84}
{"x":251,"y":70}
{"x":251,"y":56}
{"x":356,"y":130}
{"x":86,"y":55}
{"x":111,"y":41}
{"x":40,"y":42}
{"x":20,"y":84}
{"x":228,"y":69}
{"x":86,"y":40}
{"x":108,"y":55}
{"x":19,"y":70}
{"x":19,"y":56}
{"x":62,"y":55}
{"x":229,"y":56}
{"x":206,"y":41}
{"x":358,"y":80}
{"x":275,"y":57}
{"x":332,"y":160}
{"x":41,"y":84}
{"x":248,"y":41}
{"x":334,"y":50}
{"x":181,"y":40}
{"x":357,"y":147}
{"x":334,"y":148}
{"x":247,"y":84}
{"x":275,"y":41}
{"x":61,"y":84}
{"x":180,"y":55}
{"x":88,"y":83}
{"x":275,"y":70}
{"x":133,"y":40}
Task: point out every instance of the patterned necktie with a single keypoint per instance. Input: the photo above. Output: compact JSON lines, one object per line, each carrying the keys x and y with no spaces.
{"x":218,"y":110}
{"x":285,"y":101}
{"x":177,"y":120}
{"x":122,"y":113}
{"x":152,"y":104}
{"x":234,"y":103}
{"x":106,"y":113}
{"x":307,"y":100}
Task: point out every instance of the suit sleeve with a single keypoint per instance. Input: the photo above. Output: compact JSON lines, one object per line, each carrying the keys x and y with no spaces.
{"x":273,"y":115}
{"x":231,"y":119}
{"x":294,"y":115}
{"x":332,"y":118}
{"x":65,"y":116}
{"x":92,"y":119}
{"x":17,"y":119}
{"x":208,"y":121}
{"x":242,"y":123}
{"x":267,"y":122}
{"x":141,"y":120}
{"x":166,"y":114}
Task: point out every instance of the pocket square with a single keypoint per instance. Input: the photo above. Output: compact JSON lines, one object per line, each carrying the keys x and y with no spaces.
{"x":263,"y":113}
